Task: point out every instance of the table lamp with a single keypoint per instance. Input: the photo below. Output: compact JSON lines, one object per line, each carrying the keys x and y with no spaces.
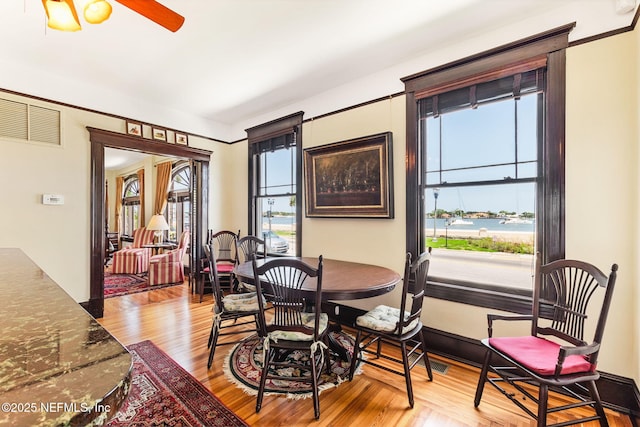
{"x":159,"y":225}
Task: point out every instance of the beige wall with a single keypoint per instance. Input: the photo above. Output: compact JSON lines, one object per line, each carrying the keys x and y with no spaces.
{"x":601,"y":214}
{"x":602,"y":180}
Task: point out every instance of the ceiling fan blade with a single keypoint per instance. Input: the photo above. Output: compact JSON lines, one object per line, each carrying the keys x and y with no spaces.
{"x":156,"y":12}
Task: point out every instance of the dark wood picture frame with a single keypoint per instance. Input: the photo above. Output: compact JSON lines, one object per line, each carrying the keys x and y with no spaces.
{"x":134,"y":128}
{"x":159,"y":134}
{"x":350,"y":179}
{"x":181,"y":138}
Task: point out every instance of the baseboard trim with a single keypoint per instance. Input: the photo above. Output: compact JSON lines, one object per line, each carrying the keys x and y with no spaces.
{"x":617,"y":393}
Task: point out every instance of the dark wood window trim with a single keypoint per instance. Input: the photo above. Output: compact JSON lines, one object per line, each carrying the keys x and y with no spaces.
{"x":101,"y":139}
{"x":269,"y":131}
{"x":546,"y":47}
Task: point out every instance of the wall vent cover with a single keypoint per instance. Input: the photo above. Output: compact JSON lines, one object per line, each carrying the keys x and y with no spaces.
{"x":29,"y":122}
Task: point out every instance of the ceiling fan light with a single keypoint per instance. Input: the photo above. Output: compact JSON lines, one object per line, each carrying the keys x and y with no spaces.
{"x":61,"y":15}
{"x":97,"y":11}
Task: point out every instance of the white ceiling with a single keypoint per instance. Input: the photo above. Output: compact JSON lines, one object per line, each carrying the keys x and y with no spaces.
{"x":238,"y":63}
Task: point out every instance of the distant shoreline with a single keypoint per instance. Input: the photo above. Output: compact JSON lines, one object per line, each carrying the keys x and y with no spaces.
{"x":507,"y":235}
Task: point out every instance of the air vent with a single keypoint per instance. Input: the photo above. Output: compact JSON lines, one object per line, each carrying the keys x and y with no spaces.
{"x":436,"y":365}
{"x":29,"y":122}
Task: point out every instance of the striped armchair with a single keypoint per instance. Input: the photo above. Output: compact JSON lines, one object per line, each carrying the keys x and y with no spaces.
{"x":168,"y":267}
{"x":134,"y":259}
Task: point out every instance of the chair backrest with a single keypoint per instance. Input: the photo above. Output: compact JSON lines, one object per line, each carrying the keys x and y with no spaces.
{"x":413,"y":288}
{"x":183,"y":243}
{"x":281,"y":282}
{"x":142,"y":236}
{"x":224,"y":245}
{"x":214,"y":279}
{"x":563,"y":290}
{"x":249,"y":248}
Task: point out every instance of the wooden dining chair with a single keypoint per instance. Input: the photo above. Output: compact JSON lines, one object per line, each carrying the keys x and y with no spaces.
{"x":555,"y":356}
{"x":397,"y":326}
{"x":223,"y":244}
{"x":248,"y":248}
{"x":231,"y":312}
{"x":298,"y":325}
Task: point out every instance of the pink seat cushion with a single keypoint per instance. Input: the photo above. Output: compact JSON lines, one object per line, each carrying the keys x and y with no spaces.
{"x":539,"y":355}
{"x":225,"y":268}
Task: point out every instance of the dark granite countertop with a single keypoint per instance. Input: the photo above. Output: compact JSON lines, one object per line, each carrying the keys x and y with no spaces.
{"x":58,"y":366}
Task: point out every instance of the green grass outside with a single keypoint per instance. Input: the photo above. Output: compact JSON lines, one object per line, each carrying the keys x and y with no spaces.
{"x":485,"y":244}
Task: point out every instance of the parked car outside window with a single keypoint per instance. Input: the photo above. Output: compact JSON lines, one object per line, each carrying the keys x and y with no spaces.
{"x":275,"y":243}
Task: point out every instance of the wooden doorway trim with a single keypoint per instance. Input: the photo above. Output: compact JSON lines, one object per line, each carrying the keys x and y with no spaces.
{"x":99,"y":140}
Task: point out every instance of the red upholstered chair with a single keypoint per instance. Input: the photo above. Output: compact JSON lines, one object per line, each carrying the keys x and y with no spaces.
{"x":168,"y":267}
{"x":134,"y":259}
{"x":555,"y":356}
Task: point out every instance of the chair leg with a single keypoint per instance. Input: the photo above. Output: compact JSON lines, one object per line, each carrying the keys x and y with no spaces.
{"x":593,"y":390}
{"x":543,"y":396}
{"x":210,"y":337}
{"x":483,"y":378}
{"x":407,"y":371}
{"x":314,"y":379}
{"x":263,"y":379}
{"x":214,"y":342}
{"x":425,"y":359}
{"x":355,"y":356}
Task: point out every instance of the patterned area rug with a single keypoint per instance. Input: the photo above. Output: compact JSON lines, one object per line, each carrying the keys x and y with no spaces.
{"x":243,"y":366}
{"x":164,"y":394}
{"x":124,"y":284}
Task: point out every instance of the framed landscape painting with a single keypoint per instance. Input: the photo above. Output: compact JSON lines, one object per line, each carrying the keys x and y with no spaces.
{"x":352,"y":178}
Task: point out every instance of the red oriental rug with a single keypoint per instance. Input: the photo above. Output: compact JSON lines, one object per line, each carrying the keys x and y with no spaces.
{"x":124,"y":284}
{"x":164,"y":394}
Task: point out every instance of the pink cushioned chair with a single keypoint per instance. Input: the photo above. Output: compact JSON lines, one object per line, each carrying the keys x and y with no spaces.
{"x":168,"y":267}
{"x":134,"y":259}
{"x":555,"y":356}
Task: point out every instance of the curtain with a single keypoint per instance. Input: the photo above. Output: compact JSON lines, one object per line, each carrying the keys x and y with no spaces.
{"x":141,"y":219}
{"x":119,"y":185}
{"x":163,"y":179}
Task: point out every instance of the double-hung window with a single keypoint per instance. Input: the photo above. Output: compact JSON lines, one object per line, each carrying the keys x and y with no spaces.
{"x":485,"y":170}
{"x":275,"y":173}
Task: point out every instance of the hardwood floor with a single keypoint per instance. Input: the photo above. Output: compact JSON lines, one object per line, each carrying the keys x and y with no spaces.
{"x":178,"y":324}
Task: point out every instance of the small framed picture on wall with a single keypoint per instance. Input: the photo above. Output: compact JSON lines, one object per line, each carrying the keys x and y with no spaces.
{"x":159,"y":134}
{"x":181,"y":139}
{"x":134,"y":128}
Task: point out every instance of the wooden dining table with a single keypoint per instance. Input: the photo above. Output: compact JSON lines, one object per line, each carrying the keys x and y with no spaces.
{"x":341,"y":280}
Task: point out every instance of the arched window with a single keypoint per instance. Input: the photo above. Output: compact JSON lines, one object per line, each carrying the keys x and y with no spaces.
{"x":179,"y":200}
{"x":130,"y":204}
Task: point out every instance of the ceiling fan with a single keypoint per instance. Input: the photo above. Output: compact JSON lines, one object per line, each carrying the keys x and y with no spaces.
{"x":62,"y":14}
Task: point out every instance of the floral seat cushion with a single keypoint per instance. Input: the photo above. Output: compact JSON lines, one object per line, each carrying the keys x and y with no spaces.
{"x":241,"y":302}
{"x":384,"y":319}
{"x":308,"y":319}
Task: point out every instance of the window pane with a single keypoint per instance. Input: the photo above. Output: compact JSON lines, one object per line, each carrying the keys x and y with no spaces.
{"x":480,"y":136}
{"x":482,"y":234}
{"x":277,"y":172}
{"x":277,"y":225}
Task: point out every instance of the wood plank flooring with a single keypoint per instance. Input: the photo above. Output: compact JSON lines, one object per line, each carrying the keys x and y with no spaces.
{"x":174,"y":320}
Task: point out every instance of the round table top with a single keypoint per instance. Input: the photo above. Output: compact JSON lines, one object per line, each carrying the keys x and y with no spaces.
{"x":341,"y":280}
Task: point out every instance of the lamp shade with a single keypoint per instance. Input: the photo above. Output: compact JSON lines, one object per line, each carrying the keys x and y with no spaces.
{"x":158,"y":223}
{"x":61,"y":15}
{"x":97,"y":11}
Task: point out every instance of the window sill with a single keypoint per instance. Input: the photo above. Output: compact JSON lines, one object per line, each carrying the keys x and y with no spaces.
{"x":493,"y":297}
